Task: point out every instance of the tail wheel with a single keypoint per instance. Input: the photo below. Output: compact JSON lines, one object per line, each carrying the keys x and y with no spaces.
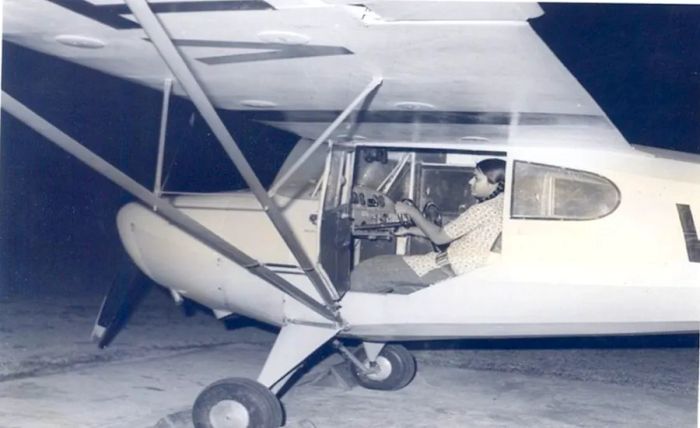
{"x":237,"y":403}
{"x":394,"y":368}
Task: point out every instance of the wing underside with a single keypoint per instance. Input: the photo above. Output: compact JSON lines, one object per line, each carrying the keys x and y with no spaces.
{"x":451,"y":70}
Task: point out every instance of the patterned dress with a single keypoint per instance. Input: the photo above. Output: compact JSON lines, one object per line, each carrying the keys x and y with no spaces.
{"x":473,"y":234}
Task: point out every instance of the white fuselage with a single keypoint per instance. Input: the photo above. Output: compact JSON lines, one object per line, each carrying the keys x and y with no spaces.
{"x":625,"y":273}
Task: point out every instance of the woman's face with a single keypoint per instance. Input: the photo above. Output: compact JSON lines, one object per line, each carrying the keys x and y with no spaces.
{"x":480,"y":185}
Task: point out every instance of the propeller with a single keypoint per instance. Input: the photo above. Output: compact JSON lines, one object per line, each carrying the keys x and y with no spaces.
{"x":127,"y":290}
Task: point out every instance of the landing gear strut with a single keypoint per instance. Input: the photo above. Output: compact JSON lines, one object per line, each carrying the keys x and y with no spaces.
{"x":237,"y":402}
{"x":393,"y":369}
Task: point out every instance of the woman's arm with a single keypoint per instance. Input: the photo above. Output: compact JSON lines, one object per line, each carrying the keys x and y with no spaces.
{"x":428,"y":228}
{"x":412,"y":231}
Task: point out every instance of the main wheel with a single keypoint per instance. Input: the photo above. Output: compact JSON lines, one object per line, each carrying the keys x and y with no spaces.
{"x":394,"y":368}
{"x":237,"y":402}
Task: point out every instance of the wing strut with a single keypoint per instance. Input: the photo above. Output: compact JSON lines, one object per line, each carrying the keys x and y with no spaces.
{"x":177,"y":65}
{"x":164,"y":208}
{"x":373,"y":86}
{"x":167,"y":90}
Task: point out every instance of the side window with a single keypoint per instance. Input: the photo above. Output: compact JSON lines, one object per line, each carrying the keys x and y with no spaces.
{"x":551,"y":192}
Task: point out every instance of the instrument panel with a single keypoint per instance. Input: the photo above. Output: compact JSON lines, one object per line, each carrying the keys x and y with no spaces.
{"x":373,"y":213}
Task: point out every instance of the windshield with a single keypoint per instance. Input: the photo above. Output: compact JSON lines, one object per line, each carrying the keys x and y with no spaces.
{"x":387,"y":173}
{"x":303,"y":182}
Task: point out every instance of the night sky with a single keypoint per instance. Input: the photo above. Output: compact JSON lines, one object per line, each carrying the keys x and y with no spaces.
{"x":57,"y":228}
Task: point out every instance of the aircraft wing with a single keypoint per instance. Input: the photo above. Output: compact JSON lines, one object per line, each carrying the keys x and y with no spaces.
{"x":452,"y":70}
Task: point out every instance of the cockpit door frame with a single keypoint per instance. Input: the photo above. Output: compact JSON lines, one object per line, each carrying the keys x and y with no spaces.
{"x":332,"y":250}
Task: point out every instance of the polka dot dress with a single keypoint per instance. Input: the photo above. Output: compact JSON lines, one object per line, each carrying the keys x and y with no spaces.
{"x":473,"y":234}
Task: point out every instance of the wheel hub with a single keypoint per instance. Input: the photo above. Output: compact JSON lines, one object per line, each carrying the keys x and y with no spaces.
{"x":380,"y":369}
{"x":229,"y":414}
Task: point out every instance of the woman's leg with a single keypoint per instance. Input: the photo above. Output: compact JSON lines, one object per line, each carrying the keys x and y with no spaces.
{"x":385,"y":274}
{"x":435,"y":275}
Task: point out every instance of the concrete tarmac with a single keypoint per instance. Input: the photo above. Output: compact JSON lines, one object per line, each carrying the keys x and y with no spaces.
{"x":52,"y":377}
{"x":139,"y":392}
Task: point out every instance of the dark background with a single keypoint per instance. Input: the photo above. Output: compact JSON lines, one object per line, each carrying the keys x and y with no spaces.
{"x":57,"y":230}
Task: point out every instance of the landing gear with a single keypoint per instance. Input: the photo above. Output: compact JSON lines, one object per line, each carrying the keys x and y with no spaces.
{"x":237,"y":402}
{"x":393,"y":369}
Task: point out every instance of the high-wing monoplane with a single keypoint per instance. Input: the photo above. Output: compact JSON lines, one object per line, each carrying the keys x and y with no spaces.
{"x":392,"y":100}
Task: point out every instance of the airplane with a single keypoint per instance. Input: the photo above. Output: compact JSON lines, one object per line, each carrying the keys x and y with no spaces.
{"x":392,"y":100}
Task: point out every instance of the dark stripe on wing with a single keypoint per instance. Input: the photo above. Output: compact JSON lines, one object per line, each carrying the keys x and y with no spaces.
{"x":270,"y":51}
{"x":111,"y":14}
{"x":438,"y":117}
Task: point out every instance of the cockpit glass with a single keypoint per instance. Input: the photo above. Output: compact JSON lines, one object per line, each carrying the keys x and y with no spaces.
{"x":400,"y":188}
{"x":304,"y":180}
{"x":385,"y":171}
{"x":550,"y":192}
{"x":372,"y":174}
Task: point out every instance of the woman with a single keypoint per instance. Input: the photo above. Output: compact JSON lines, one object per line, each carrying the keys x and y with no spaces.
{"x":470,"y":237}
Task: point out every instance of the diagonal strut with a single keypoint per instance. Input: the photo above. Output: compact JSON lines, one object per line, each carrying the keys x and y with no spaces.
{"x":177,"y":65}
{"x":164,"y":208}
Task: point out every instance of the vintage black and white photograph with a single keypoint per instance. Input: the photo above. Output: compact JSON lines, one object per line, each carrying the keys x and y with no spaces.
{"x":334,"y":213}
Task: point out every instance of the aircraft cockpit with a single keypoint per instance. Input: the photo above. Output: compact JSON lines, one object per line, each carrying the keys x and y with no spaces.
{"x":359,"y":220}
{"x":360,"y":185}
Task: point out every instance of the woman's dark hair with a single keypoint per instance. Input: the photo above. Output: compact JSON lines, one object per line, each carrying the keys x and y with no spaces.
{"x":494,"y":169}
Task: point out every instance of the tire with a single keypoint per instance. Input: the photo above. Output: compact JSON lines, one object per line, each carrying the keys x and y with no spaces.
{"x":397,"y":369}
{"x":235,"y":402}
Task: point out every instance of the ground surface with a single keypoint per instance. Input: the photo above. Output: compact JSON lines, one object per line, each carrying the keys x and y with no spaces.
{"x":51,"y":375}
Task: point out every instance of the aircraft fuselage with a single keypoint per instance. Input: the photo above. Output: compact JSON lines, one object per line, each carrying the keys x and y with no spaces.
{"x":634,"y":270}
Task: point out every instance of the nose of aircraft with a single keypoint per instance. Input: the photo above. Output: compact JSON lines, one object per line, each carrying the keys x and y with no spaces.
{"x":128,"y":217}
{"x":129,"y":285}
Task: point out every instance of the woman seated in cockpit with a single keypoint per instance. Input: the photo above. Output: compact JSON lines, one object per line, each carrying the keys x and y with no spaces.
{"x":470,"y":237}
